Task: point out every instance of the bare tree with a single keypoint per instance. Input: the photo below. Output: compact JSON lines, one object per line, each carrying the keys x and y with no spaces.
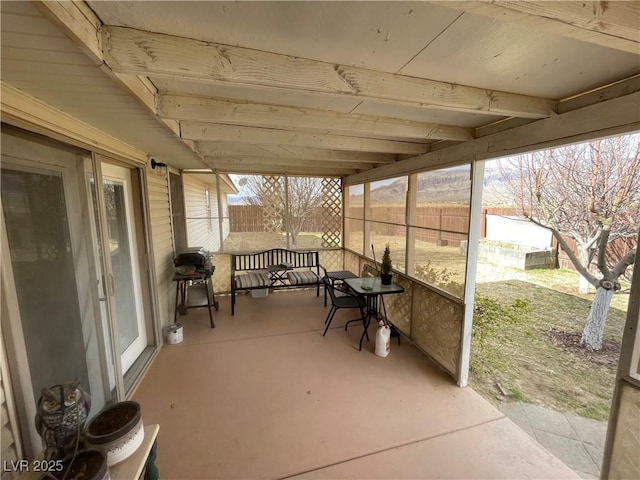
{"x":589,"y":192}
{"x":298,"y":197}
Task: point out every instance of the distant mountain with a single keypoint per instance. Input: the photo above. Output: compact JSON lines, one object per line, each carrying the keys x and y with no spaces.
{"x":447,"y":186}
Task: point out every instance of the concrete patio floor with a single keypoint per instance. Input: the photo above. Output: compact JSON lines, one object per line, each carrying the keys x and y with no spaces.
{"x":264,"y":395}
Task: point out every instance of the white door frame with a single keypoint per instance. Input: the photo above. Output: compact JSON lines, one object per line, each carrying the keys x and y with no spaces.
{"x":85,"y":272}
{"x":122,"y":176}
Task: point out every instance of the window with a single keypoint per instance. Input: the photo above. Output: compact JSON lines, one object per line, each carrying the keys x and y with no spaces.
{"x":376,"y":215}
{"x":439,"y":227}
{"x":354,"y":218}
{"x":424,"y":219}
{"x":386,"y":218}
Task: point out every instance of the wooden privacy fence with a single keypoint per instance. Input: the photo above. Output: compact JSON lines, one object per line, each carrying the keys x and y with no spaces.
{"x":250,"y":218}
{"x":442,"y":225}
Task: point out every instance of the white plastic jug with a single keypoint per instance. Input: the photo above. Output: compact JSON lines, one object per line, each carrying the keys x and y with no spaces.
{"x":383,"y":340}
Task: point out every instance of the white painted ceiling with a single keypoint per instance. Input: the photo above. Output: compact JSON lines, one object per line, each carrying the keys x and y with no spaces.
{"x":514,"y":53}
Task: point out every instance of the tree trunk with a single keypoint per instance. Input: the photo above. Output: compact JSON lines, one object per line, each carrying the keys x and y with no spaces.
{"x":594,"y":327}
{"x":584,"y":284}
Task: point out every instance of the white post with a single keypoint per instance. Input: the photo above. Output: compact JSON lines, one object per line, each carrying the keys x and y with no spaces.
{"x":477,"y":177}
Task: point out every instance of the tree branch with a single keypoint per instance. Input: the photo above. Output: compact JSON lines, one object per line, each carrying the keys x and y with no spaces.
{"x":592,"y":279}
{"x":624,"y":263}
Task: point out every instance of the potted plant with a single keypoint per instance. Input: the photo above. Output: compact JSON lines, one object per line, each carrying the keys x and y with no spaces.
{"x":89,"y":464}
{"x":385,"y":268}
{"x":117,"y":430}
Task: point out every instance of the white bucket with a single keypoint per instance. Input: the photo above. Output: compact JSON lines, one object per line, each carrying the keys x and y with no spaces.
{"x":174,"y":333}
{"x":259,"y":293}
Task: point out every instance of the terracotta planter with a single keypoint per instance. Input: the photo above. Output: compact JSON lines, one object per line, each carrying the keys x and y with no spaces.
{"x":89,"y":464}
{"x":117,"y":430}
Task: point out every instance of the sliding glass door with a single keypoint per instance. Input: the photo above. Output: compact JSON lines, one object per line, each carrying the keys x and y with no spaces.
{"x":125,"y":272}
{"x":48,"y":272}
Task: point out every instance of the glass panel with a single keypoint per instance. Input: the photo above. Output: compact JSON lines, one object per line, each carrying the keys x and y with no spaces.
{"x":304,"y":220}
{"x":355,"y":198}
{"x":43,"y":265}
{"x":444,"y":197}
{"x":442,"y":265}
{"x":382,"y":234}
{"x":256,"y":213}
{"x":100,"y":265}
{"x":120,"y":250}
{"x":354,"y":234}
{"x":443,"y":210}
{"x":388,"y":201}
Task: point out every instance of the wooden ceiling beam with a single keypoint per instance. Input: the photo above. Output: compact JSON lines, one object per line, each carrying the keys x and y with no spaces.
{"x":268,"y":169}
{"x":216,"y":149}
{"x":146,"y":53}
{"x":206,"y":109}
{"x":286,"y":162}
{"x":612,"y":24}
{"x":211,"y":132}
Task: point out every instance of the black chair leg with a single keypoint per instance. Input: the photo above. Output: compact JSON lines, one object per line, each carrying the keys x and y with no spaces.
{"x":328,"y":320}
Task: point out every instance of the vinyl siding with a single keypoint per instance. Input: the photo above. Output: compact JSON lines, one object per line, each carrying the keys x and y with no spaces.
{"x":162,"y":241}
{"x":202,"y":223}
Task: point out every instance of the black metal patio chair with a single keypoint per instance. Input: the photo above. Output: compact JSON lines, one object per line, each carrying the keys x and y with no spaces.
{"x":346,"y":299}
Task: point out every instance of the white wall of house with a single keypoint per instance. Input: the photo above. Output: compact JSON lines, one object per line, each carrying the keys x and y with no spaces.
{"x":162,"y":243}
{"x":201,"y":212}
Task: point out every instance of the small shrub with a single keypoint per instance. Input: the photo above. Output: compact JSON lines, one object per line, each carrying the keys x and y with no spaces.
{"x":440,"y":277}
{"x":490,"y":317}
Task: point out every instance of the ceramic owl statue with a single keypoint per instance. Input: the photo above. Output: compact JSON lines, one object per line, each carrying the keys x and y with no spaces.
{"x":60,"y":417}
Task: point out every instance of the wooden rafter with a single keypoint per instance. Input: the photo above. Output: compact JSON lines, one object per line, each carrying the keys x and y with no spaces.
{"x":135,"y":51}
{"x":268,"y":168}
{"x":268,"y":136}
{"x":207,"y":109}
{"x":216,"y":149}
{"x":612,"y":117}
{"x":612,"y":24}
{"x":286,"y":162}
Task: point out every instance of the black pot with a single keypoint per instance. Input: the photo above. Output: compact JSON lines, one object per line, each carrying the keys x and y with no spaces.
{"x":386,"y":278}
{"x":117,"y":430}
{"x":89,"y":464}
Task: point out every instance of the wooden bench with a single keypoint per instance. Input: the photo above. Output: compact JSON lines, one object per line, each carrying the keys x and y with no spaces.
{"x":276,"y":268}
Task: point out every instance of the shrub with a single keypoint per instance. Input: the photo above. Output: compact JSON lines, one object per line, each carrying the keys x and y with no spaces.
{"x":490,"y":316}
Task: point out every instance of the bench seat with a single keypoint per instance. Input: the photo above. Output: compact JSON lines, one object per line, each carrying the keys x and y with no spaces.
{"x":303,"y":277}
{"x":245,"y":281}
{"x":274,"y":269}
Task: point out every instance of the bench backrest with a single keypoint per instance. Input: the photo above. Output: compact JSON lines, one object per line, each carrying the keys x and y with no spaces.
{"x":275,"y":256}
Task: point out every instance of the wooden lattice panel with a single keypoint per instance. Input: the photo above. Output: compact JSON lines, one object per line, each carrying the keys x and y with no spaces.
{"x":222,"y":274}
{"x":331,"y":212}
{"x":436,"y":326}
{"x":272,"y":204}
{"x":352,"y":262}
{"x":399,"y":306}
{"x":331,"y":259}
